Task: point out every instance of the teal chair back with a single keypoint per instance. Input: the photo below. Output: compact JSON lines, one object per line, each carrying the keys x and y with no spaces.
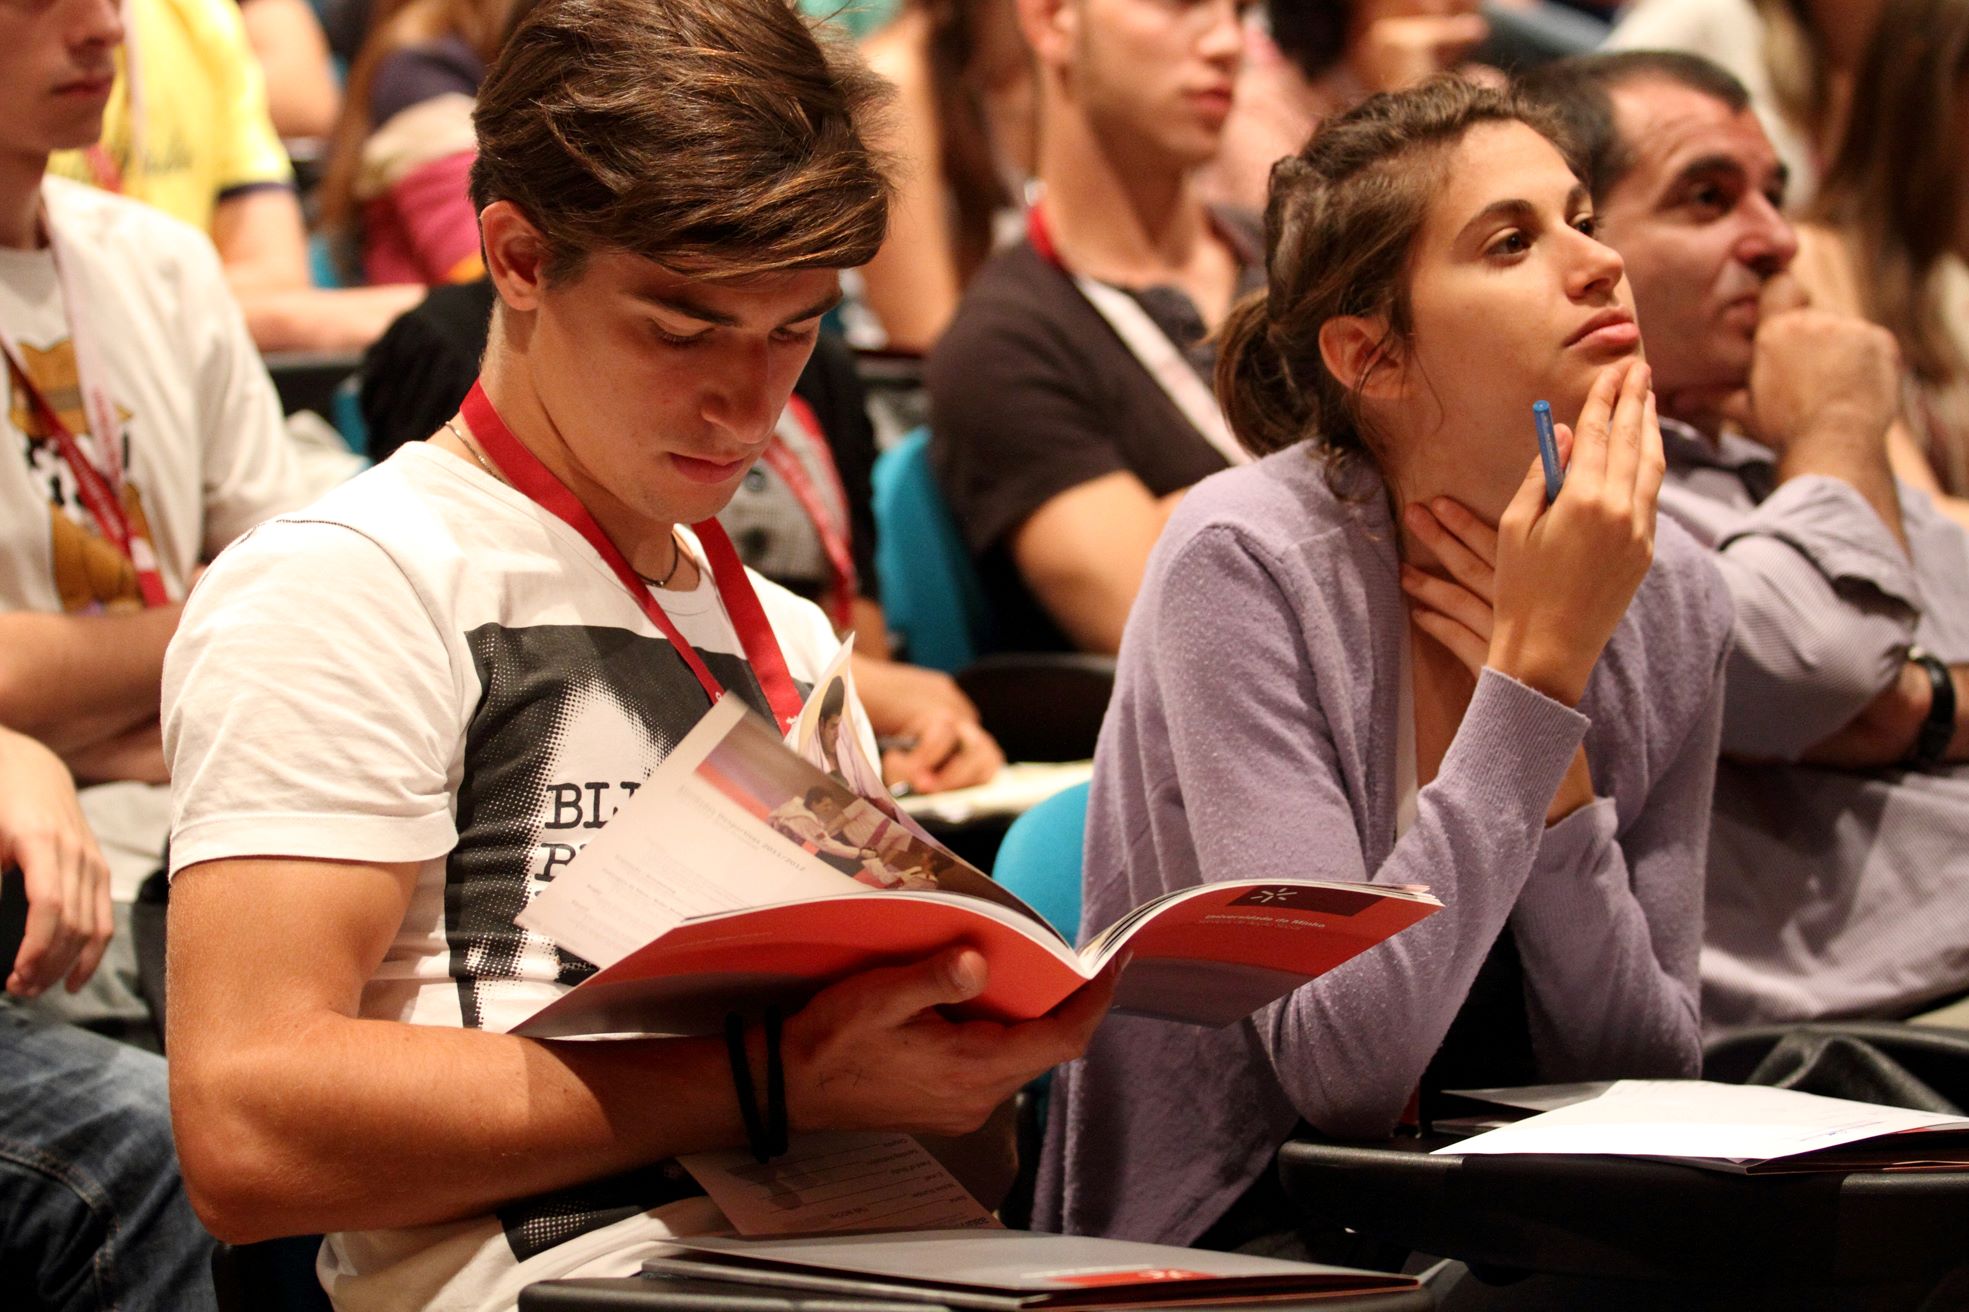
{"x":930,"y":591}
{"x":1039,"y":860}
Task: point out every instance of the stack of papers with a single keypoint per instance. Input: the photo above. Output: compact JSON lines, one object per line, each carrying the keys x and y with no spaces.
{"x":1733,"y":1127}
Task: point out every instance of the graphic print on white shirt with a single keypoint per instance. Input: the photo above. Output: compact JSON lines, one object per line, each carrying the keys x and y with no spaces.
{"x":91,"y":573}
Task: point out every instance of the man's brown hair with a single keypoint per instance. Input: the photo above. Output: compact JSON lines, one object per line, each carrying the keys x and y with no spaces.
{"x":716,"y":137}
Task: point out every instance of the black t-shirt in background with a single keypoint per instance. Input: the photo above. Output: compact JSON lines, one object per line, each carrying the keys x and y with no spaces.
{"x":1032,"y":394}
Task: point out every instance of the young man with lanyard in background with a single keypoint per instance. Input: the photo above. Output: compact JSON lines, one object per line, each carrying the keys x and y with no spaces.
{"x":393,"y":717}
{"x":1836,"y":855}
{"x":1069,"y":399}
{"x":143,"y":433}
{"x":188,"y":130}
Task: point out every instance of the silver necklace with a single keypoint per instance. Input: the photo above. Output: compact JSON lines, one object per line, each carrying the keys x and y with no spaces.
{"x":471,"y":447}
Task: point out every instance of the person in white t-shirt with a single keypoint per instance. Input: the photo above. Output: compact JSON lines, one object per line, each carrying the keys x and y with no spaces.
{"x":394,"y":718}
{"x":120,"y":331}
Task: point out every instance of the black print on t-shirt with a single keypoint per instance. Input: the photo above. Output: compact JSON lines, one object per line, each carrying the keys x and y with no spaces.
{"x":571,"y":721}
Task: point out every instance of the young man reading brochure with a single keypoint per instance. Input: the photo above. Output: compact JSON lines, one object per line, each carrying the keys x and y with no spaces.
{"x":390,"y":716}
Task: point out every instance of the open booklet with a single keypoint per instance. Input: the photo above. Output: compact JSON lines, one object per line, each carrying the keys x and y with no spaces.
{"x":741,"y":874}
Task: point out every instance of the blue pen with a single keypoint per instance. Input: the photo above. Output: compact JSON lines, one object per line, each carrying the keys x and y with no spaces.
{"x":1548,"y":450}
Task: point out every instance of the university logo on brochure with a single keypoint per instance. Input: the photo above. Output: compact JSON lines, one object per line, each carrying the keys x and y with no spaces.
{"x":1326,"y":901}
{"x":91,"y":574}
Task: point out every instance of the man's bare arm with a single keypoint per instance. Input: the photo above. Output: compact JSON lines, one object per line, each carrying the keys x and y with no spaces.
{"x":135,"y":754}
{"x":303,"y":98}
{"x":1084,"y":552}
{"x":293,"y":1115}
{"x":263,"y":247}
{"x":1884,"y":733}
{"x":77,"y":680}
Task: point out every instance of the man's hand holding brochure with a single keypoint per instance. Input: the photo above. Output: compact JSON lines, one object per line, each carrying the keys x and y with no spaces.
{"x":740,"y":875}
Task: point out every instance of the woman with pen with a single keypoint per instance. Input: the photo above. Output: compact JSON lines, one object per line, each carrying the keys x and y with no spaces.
{"x":1380,"y":653}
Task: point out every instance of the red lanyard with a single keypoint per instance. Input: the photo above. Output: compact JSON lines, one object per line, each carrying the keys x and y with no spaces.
{"x":830,"y":520}
{"x":1040,"y":234}
{"x":1152,"y":348}
{"x":101,"y":488}
{"x":755,"y":633}
{"x":103,"y":170}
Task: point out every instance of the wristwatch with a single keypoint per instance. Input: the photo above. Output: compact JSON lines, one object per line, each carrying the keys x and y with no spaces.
{"x":1938,"y":730}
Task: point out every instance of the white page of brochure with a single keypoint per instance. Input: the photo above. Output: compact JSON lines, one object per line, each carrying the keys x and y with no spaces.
{"x":838,"y":1181}
{"x":636,"y":880}
{"x":1699,"y":1118}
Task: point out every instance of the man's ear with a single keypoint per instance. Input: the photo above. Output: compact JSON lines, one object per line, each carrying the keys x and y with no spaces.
{"x":1355,"y":350}
{"x":1051,"y":28}
{"x":515,"y":254}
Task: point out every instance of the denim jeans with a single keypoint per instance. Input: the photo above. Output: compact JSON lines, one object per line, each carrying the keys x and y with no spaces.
{"x":92,"y":1210}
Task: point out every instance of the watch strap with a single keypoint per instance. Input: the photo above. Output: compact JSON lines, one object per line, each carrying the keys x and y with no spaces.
{"x":1938,"y":730}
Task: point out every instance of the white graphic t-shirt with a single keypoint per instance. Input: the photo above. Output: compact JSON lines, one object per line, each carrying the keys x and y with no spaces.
{"x":199,"y":436}
{"x":424,"y":666}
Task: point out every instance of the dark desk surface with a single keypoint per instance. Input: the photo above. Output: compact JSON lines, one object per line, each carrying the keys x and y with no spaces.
{"x":634,"y":1295}
{"x":1638,"y":1220}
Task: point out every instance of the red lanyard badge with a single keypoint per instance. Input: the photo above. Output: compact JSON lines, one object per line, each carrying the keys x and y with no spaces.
{"x":525,"y":472}
{"x":100,"y":486}
{"x":826,"y":508}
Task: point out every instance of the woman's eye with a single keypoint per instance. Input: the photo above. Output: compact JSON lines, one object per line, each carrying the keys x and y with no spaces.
{"x":1588,"y":224}
{"x":1511,"y":243}
{"x":797,"y":336}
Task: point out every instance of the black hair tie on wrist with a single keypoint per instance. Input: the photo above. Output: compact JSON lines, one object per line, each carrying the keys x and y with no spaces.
{"x":776,"y":1128}
{"x":765,"y":1130}
{"x":748,"y":1103}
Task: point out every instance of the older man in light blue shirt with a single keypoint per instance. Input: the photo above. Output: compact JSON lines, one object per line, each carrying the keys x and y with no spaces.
{"x":1838,"y":870}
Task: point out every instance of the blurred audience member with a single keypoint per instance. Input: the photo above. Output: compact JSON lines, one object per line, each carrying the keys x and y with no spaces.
{"x":143,"y":436}
{"x":1836,"y":857}
{"x":397,"y":178}
{"x":1796,"y":58}
{"x":94,"y":1207}
{"x":1069,"y":398}
{"x":1322,"y":57}
{"x":962,"y":130}
{"x":1890,"y":227}
{"x":415,"y":376}
{"x":346,"y":25}
{"x":197,"y":143}
{"x":303,"y":94}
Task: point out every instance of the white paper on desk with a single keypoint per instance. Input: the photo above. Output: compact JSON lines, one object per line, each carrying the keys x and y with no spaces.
{"x":1536,"y":1097}
{"x":1014,"y":790}
{"x":678,"y":848}
{"x":838,"y":1181}
{"x":1699,"y":1119}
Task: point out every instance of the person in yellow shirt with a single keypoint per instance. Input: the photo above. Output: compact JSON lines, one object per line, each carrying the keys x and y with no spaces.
{"x":196,"y":141}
